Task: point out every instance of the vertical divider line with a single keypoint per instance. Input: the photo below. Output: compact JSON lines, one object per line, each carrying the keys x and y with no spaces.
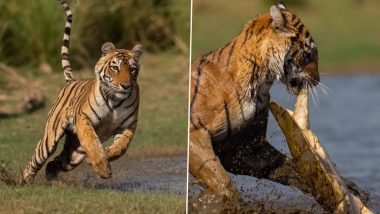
{"x":188,"y":106}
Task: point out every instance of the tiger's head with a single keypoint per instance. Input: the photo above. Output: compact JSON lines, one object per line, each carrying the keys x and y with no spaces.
{"x":117,"y":70}
{"x":296,"y":60}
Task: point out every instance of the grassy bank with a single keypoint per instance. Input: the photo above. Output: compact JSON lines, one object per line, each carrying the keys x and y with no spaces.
{"x":162,"y":130}
{"x":45,"y":199}
{"x":346,"y":32}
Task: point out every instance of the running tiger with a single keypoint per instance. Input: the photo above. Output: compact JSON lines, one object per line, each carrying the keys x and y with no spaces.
{"x":89,"y":112}
{"x":230,"y":94}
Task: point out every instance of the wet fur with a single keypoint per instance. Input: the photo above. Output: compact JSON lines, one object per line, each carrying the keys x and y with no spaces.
{"x":230,"y":94}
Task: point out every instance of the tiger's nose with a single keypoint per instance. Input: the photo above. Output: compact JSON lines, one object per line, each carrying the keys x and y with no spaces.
{"x":125,"y":86}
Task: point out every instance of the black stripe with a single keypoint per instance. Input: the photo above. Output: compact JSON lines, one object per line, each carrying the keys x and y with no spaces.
{"x":35,"y":162}
{"x":294,"y":17}
{"x":66,"y":67}
{"x":66,"y":43}
{"x":297,"y":22}
{"x":130,"y":115}
{"x":93,"y":110}
{"x":204,"y":127}
{"x":55,"y":124}
{"x":56,"y":104}
{"x":118,"y":104}
{"x":221,"y":51}
{"x":240,"y":104}
{"x":80,"y":152}
{"x":245,"y":36}
{"x":133,"y":123}
{"x":86,"y":115}
{"x":66,"y":57}
{"x":200,"y":66}
{"x":132,"y":103}
{"x":260,"y":30}
{"x":284,"y":18}
{"x":300,"y":29}
{"x":67,"y":30}
{"x":251,"y":29}
{"x":38,"y":154}
{"x":105,"y":100}
{"x":231,"y":52}
{"x":227,"y":119}
{"x":70,"y":18}
{"x":47,"y":146}
{"x":192,"y":122}
{"x":82,"y":95}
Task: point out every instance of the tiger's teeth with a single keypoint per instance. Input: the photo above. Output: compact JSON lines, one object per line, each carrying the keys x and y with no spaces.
{"x":312,"y":161}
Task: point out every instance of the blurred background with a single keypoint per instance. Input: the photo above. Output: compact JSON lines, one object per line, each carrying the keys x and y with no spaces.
{"x":346,"y":31}
{"x":346,"y":118}
{"x":31,"y":76}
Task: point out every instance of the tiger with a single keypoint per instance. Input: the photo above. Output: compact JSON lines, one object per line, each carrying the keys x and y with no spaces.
{"x":229,"y":96}
{"x":88,"y":112}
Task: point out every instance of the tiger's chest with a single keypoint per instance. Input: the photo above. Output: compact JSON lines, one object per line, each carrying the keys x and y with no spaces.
{"x":115,"y":116}
{"x":247,"y":113}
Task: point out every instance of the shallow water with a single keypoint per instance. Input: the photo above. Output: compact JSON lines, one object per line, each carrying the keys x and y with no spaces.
{"x":162,"y":175}
{"x":347,"y":123}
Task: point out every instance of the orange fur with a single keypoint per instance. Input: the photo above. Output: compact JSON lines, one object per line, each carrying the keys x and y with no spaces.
{"x":230,"y":92}
{"x":89,"y":112}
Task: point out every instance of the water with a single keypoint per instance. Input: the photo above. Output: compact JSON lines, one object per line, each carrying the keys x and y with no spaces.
{"x":347,"y":123}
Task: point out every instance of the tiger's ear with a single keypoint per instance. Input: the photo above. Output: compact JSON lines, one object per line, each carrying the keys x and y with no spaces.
{"x":281,"y":5}
{"x":277,"y":17}
{"x":138,"y":51}
{"x":108,"y":47}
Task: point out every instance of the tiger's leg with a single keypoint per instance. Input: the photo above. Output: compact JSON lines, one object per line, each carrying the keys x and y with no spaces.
{"x":249,"y":153}
{"x":93,"y":147}
{"x":205,"y":166}
{"x":263,"y":161}
{"x":71,"y":156}
{"x":45,"y":147}
{"x":120,"y":145}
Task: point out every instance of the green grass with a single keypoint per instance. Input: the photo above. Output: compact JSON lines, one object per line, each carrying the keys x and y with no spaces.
{"x":34,"y":35}
{"x":161,"y":130}
{"x":53,"y":199}
{"x":346,"y":32}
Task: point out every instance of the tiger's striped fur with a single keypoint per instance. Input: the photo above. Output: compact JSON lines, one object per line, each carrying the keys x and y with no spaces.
{"x":67,"y":70}
{"x":230,"y":94}
{"x":89,"y":112}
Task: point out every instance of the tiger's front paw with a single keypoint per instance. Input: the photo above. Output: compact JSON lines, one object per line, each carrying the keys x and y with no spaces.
{"x":28,"y":175}
{"x":102,"y":168}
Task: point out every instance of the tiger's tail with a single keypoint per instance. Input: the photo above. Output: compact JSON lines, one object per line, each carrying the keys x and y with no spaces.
{"x":67,"y":70}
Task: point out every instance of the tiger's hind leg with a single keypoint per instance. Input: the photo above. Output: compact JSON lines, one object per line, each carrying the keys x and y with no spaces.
{"x":71,"y":156}
{"x":54,"y":130}
{"x":93,"y":147}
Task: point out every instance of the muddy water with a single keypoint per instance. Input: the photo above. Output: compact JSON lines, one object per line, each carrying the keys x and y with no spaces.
{"x":165,"y":175}
{"x":347,"y":122}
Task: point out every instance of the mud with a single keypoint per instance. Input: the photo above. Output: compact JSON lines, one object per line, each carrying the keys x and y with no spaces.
{"x":165,"y":175}
{"x":259,"y":196}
